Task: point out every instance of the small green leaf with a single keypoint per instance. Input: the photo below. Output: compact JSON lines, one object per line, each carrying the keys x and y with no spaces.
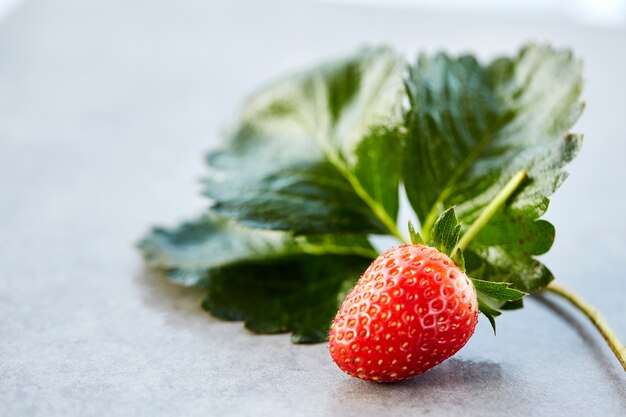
{"x":495,"y":296}
{"x":498,"y":290}
{"x":490,"y":313}
{"x":416,"y":238}
{"x":446,"y":231}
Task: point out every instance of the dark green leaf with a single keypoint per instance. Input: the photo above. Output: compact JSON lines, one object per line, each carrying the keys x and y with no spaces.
{"x":301,"y":295}
{"x":513,"y":305}
{"x":498,"y":264}
{"x":273,"y":280}
{"x":446,"y":231}
{"x":317,"y":152}
{"x":471,"y":129}
{"x":489,"y":312}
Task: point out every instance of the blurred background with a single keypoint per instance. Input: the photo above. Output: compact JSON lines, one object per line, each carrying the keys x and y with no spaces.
{"x":600,"y":12}
{"x":106,"y":109}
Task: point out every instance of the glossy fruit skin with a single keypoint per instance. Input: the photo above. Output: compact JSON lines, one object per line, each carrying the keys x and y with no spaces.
{"x":410,"y":310}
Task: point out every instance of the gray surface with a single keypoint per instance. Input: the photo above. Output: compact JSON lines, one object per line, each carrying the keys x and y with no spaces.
{"x":105,"y":110}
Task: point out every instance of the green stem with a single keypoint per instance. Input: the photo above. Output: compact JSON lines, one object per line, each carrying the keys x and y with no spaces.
{"x":379,"y":211}
{"x":596,"y":318}
{"x":491,"y":209}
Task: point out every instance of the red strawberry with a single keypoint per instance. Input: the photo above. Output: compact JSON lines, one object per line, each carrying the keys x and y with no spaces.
{"x":412,"y":309}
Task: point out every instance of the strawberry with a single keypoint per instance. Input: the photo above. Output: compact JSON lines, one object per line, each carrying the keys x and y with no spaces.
{"x":412,"y":309}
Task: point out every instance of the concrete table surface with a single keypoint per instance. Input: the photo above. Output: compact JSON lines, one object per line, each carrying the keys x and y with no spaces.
{"x":106,"y":108}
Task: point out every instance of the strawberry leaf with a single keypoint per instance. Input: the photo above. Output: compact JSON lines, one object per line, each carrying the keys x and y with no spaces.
{"x":446,"y":231}
{"x":498,"y":290}
{"x":471,"y":128}
{"x":300,"y":295}
{"x":416,"y":238}
{"x":489,"y":312}
{"x":318,"y":151}
{"x":319,"y":158}
{"x":492,"y":296}
{"x":274,"y":281}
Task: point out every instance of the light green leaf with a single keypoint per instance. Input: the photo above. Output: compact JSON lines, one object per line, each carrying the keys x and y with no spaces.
{"x":471,"y":129}
{"x":446,"y":231}
{"x":317,"y":152}
{"x":416,"y":238}
{"x":273,"y":280}
{"x":498,"y":290}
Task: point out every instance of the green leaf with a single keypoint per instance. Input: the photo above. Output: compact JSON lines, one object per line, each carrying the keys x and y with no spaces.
{"x":499,"y":264}
{"x":274,"y":281}
{"x":317,"y":152}
{"x":498,"y":290}
{"x":301,"y":295}
{"x":489,"y":312}
{"x":416,"y":238}
{"x":496,"y":296}
{"x":471,"y":128}
{"x":319,"y":157}
{"x":446,"y":231}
